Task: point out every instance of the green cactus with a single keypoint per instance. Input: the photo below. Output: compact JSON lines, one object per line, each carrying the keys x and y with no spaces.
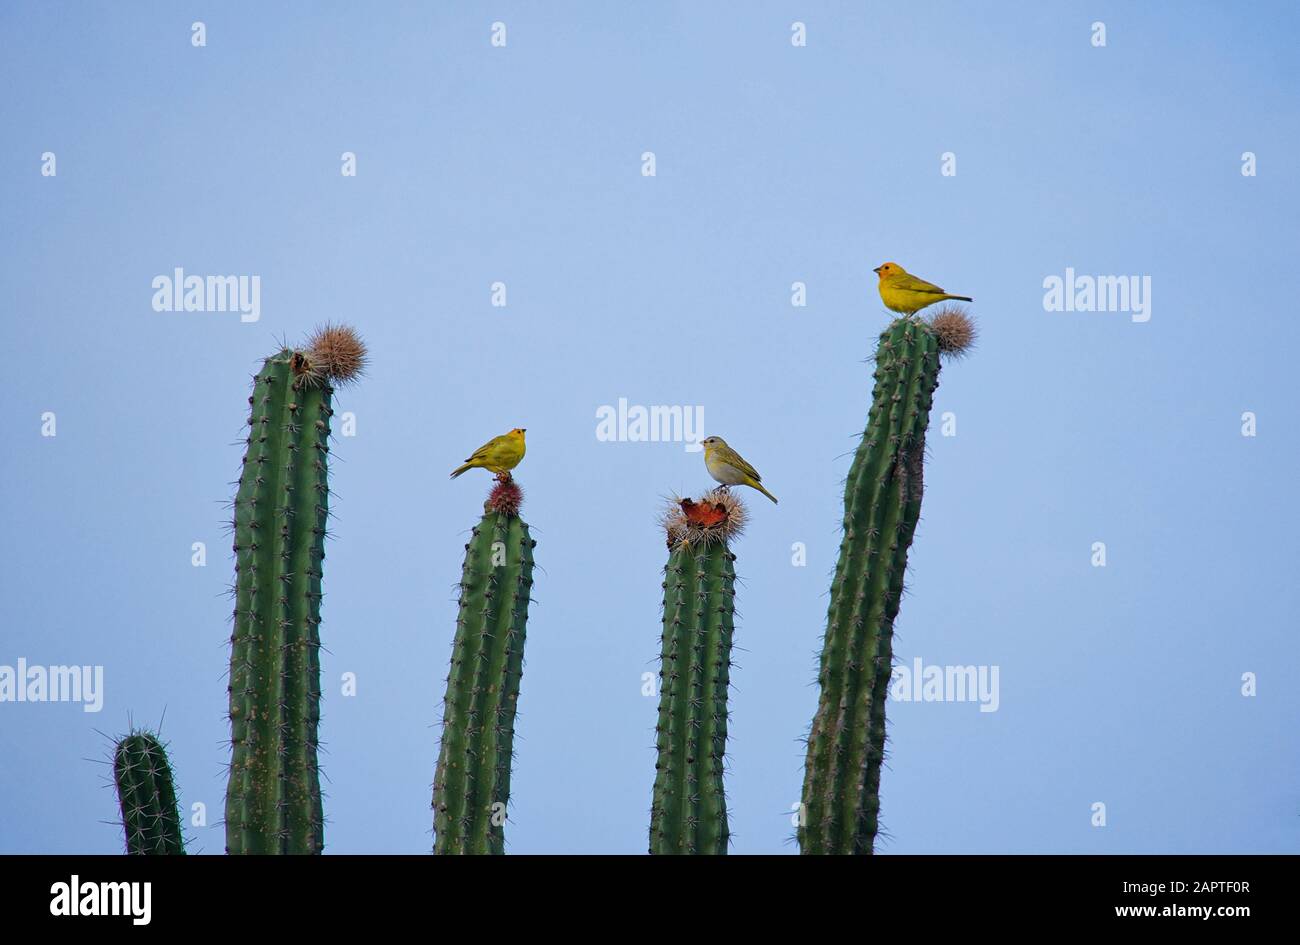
{"x":688,"y":812}
{"x":882,"y":501}
{"x":273,"y":801}
{"x":147,"y":796}
{"x":471,"y":787}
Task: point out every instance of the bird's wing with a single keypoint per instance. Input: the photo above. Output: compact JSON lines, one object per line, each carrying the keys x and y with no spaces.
{"x":734,"y":459}
{"x":487,"y":447}
{"x":918,"y":285}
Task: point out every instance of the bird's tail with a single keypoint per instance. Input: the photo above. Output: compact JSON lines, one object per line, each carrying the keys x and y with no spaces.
{"x":460,"y":469}
{"x":960,"y":298}
{"x":759,"y":486}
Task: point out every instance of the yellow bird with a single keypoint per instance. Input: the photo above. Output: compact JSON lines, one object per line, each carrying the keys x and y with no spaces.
{"x":499,"y":454}
{"x":904,"y":292}
{"x":729,"y":467}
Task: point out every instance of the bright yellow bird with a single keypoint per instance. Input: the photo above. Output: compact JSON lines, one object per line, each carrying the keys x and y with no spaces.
{"x":729,"y":467}
{"x":904,"y":292}
{"x":499,"y":454}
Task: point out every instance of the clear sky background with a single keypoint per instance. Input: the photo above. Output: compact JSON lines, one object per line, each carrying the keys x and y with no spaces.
{"x":775,"y":164}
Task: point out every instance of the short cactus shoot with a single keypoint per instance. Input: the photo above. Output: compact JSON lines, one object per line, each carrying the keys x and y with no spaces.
{"x":146,"y":794}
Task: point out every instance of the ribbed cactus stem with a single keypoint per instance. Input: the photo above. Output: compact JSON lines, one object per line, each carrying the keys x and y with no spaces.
{"x":689,"y":807}
{"x":882,"y":502}
{"x":146,"y":795}
{"x":273,"y":802}
{"x":471,"y":788}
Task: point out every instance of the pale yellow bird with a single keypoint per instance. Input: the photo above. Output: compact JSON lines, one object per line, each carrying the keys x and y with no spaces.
{"x":729,"y":467}
{"x":499,"y":454}
{"x":904,"y":292}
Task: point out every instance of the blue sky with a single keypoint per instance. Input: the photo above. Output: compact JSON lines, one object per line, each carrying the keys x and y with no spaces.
{"x":775,"y":164}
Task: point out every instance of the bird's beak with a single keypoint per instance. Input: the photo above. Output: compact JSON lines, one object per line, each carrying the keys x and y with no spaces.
{"x":877,"y":270}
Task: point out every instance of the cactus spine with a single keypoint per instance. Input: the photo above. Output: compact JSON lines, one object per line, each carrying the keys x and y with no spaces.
{"x":273,"y":802}
{"x":688,"y":812}
{"x":471,"y":787}
{"x":147,"y":796}
{"x":882,"y":501}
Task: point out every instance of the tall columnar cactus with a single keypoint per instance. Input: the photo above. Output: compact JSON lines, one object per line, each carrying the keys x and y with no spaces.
{"x":882,"y":501}
{"x":147,"y":796}
{"x":471,"y":787}
{"x":688,"y":812}
{"x":273,"y":802}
